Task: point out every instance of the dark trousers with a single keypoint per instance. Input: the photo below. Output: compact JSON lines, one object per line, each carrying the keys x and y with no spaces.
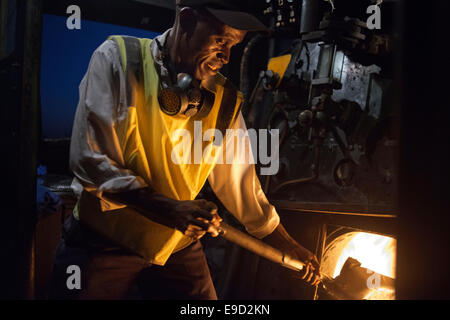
{"x":112,"y":273}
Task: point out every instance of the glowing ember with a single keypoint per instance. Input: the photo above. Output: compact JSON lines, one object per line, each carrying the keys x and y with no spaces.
{"x":370,"y":251}
{"x":375,"y":252}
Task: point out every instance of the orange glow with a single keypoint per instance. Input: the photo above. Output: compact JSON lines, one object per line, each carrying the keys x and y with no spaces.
{"x":375,"y":252}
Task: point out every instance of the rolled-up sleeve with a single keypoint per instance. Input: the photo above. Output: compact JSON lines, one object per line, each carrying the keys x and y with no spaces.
{"x":237,"y":186}
{"x":96,"y":157}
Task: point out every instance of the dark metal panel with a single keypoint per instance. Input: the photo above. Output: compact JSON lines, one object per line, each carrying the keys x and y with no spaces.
{"x":423,"y":242}
{"x":20,"y":137}
{"x":29,"y":141}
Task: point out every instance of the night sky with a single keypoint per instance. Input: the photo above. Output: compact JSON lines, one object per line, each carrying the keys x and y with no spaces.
{"x":65,"y":59}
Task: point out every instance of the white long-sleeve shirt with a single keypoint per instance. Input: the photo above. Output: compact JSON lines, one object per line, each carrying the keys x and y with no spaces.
{"x":97,"y":160}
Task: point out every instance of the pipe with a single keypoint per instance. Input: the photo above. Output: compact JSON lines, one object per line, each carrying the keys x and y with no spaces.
{"x":315,"y":173}
{"x":245,"y":66}
{"x":311,"y":15}
{"x":284,"y":133}
{"x":258,"y":247}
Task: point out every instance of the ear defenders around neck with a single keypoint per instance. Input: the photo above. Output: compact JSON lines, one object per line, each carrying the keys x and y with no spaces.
{"x":186,"y":98}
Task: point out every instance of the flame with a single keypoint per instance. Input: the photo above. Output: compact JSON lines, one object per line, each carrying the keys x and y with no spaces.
{"x":375,"y":252}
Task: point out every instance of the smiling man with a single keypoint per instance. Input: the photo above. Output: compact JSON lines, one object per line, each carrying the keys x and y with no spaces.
{"x":203,"y":46}
{"x":136,"y":227}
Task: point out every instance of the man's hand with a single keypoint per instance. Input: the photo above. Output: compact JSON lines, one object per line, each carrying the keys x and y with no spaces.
{"x":281,"y":240}
{"x":193,"y":217}
{"x":196,"y":217}
{"x":311,"y":273}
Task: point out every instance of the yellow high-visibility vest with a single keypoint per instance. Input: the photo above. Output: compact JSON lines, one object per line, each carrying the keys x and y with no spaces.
{"x":146,"y":142}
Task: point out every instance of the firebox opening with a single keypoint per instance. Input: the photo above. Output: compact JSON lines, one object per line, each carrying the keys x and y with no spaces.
{"x":361,"y":265}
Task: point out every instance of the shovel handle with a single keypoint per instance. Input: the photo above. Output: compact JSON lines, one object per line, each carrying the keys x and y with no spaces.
{"x":258,"y":247}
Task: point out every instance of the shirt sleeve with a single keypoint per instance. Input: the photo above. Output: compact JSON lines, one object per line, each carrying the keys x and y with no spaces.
{"x":96,"y":157}
{"x":237,"y":186}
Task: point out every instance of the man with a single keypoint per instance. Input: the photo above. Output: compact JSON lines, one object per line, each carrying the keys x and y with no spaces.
{"x":137,"y":223}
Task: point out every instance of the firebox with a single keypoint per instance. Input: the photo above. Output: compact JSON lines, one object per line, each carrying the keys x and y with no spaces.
{"x":356,"y":246}
{"x":356,"y":264}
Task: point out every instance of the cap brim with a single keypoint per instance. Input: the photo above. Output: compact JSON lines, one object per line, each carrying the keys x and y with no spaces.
{"x":238,"y":20}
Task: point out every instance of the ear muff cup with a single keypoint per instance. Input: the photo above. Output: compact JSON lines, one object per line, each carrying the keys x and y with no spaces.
{"x":206,"y":105}
{"x":172,"y":100}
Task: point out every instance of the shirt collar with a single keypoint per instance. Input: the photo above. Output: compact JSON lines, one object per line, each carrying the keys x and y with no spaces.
{"x":158,"y":58}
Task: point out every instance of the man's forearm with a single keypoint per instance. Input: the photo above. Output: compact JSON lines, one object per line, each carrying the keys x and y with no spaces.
{"x":280,"y":238}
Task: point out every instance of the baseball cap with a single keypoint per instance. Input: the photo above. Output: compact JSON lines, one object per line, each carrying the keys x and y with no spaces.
{"x":230,"y":12}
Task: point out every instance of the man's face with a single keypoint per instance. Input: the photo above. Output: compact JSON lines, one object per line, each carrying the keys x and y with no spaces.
{"x":207,"y":49}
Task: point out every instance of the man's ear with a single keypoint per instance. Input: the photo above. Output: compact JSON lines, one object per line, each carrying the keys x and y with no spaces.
{"x":188,"y":20}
